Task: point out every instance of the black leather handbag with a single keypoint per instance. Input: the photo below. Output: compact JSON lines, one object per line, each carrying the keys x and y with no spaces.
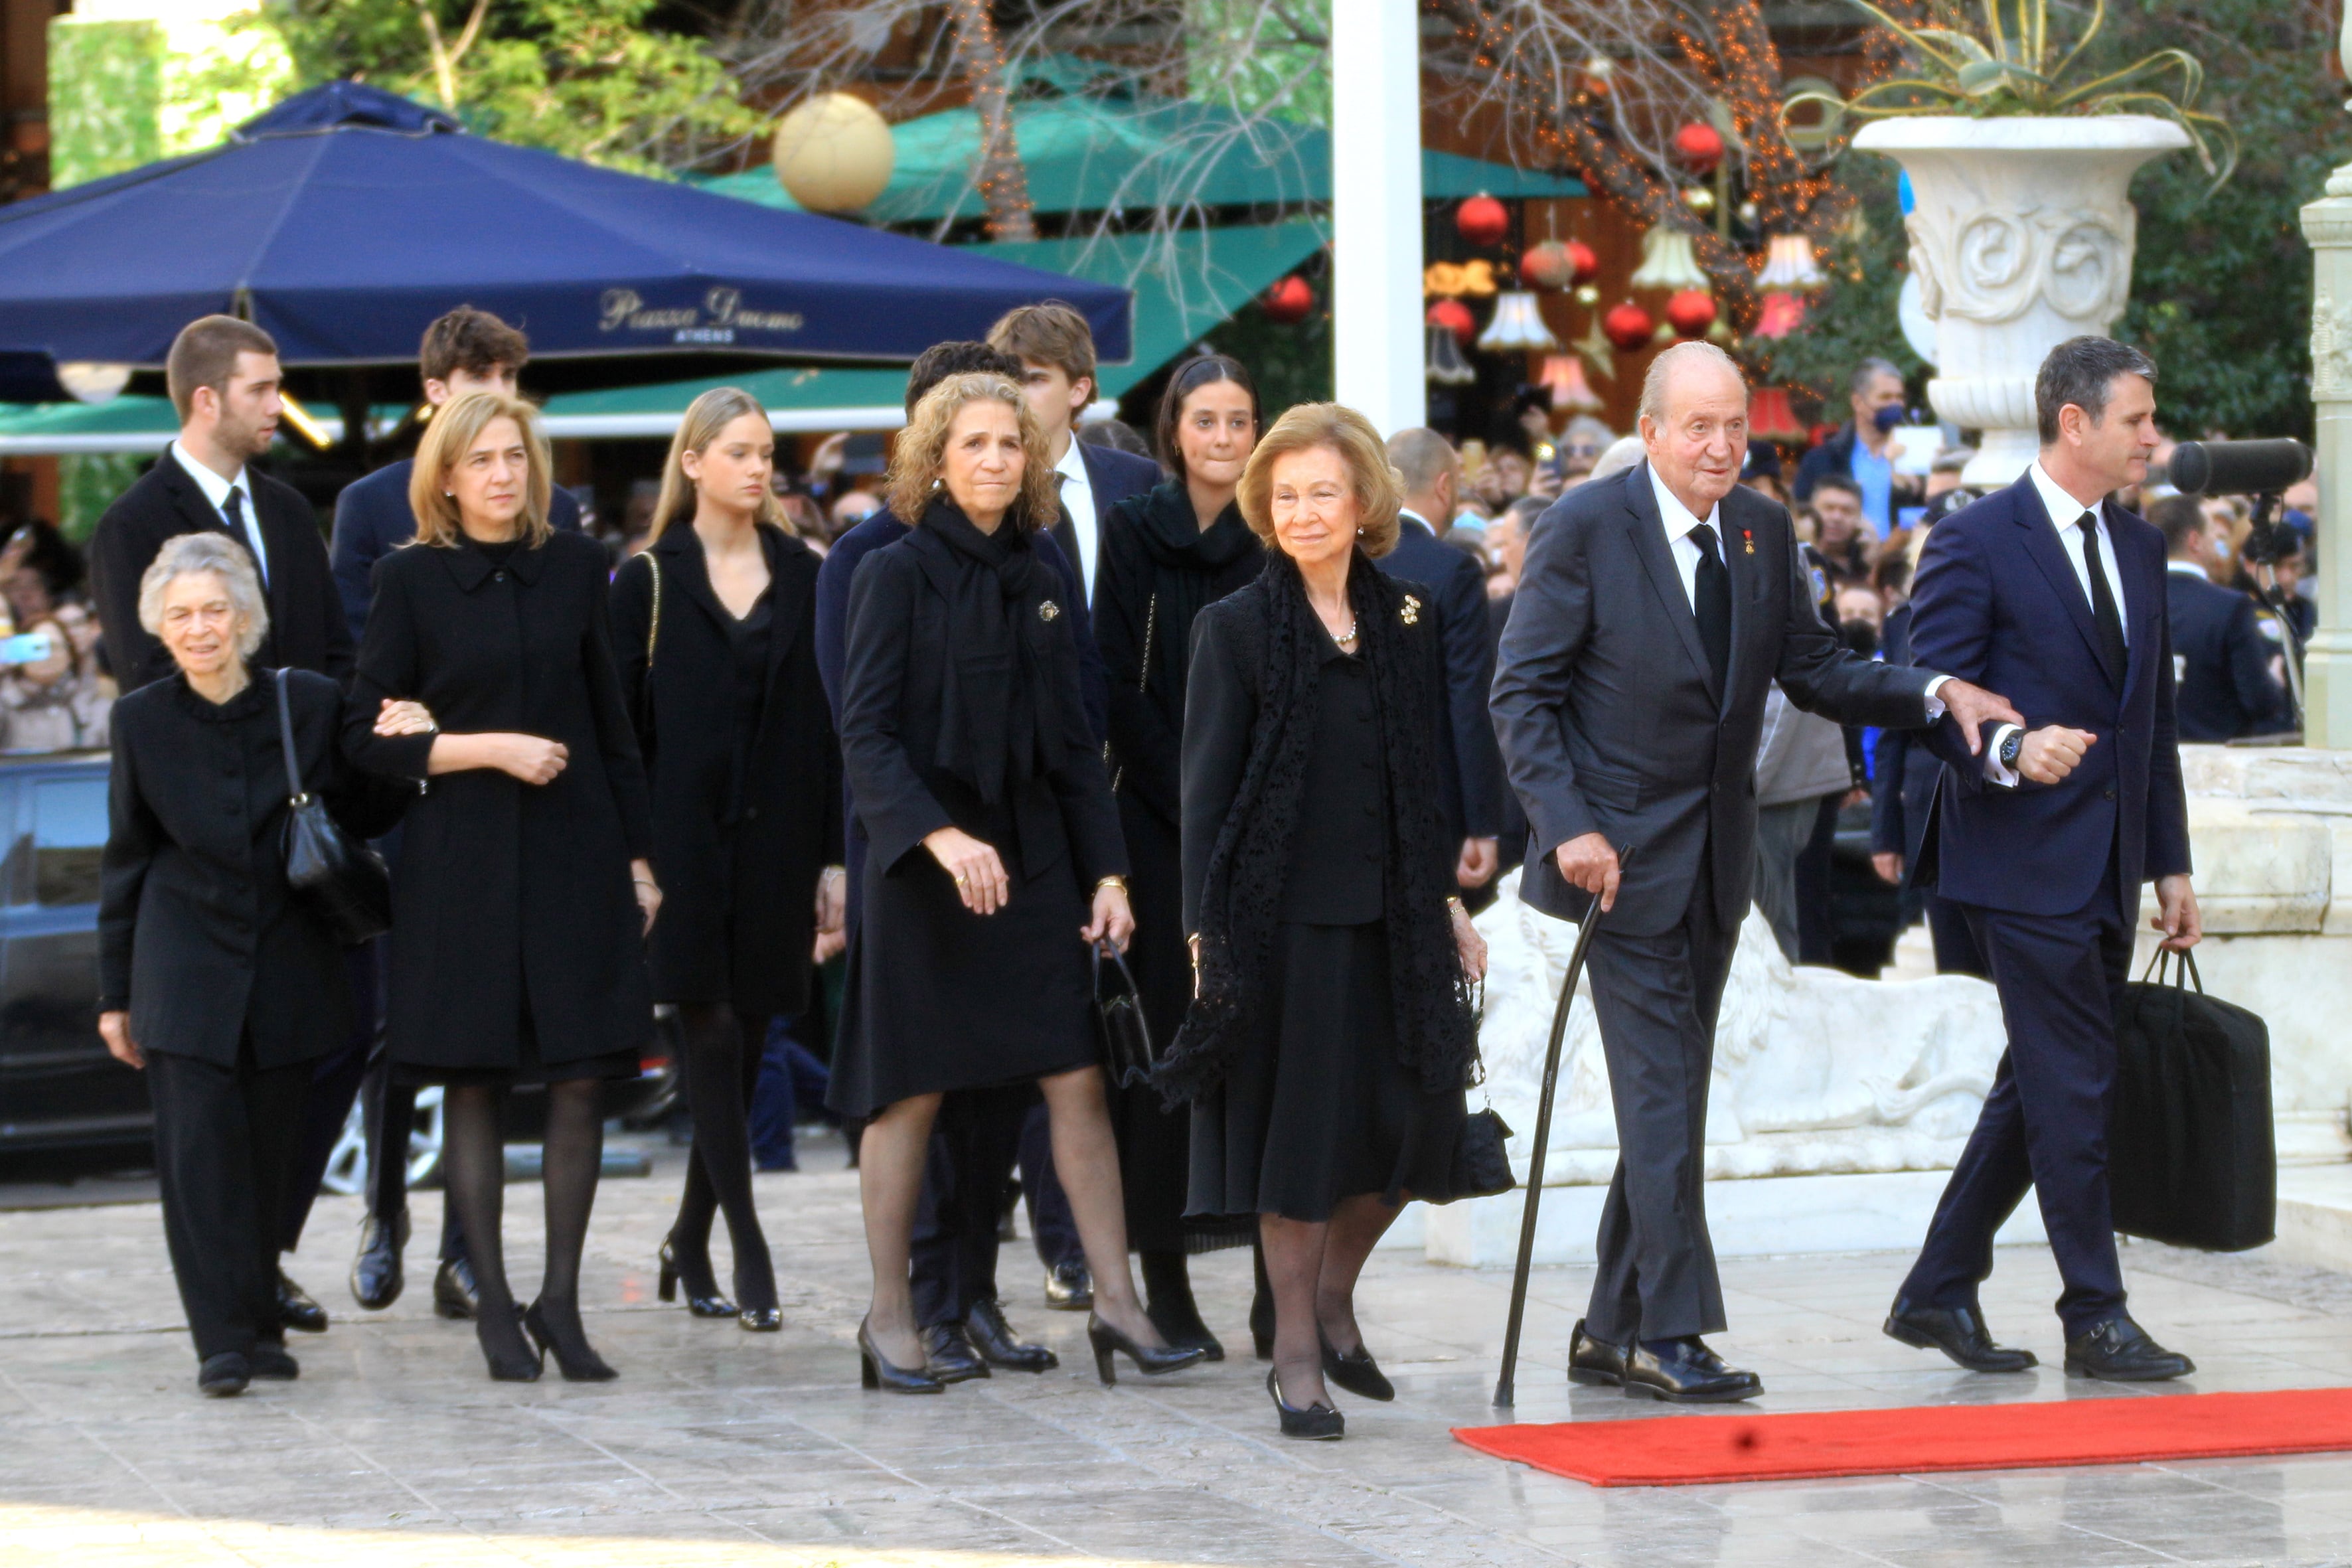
{"x":2190,"y":1157}
{"x":1482,"y":1167}
{"x":340,"y":877}
{"x":1120,"y":1030}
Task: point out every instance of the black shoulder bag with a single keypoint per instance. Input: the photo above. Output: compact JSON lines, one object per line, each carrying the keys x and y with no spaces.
{"x":1120,"y":1032}
{"x":340,"y":877}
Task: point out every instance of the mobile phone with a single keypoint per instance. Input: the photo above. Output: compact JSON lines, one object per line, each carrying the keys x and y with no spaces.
{"x":24,"y":647}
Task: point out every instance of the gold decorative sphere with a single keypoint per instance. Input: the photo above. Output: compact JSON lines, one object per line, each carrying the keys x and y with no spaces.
{"x":834,"y":153}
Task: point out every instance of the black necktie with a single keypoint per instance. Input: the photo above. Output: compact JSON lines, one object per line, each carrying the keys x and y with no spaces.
{"x":234,"y":509}
{"x":1064,"y":530}
{"x":2102,"y":600}
{"x":1712,"y":604}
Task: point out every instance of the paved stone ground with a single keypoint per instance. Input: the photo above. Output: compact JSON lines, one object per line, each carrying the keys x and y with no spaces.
{"x":721,"y":1448}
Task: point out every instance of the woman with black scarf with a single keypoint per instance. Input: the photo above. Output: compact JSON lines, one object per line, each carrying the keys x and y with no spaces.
{"x":995,"y":861}
{"x":1330,"y":1037}
{"x":1167,"y":556}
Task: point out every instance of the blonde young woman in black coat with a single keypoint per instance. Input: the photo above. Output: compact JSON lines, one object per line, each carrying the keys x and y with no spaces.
{"x":525,"y":885}
{"x":715,"y":628}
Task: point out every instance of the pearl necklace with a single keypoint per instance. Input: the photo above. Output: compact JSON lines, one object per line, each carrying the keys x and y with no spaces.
{"x":1344,"y":638}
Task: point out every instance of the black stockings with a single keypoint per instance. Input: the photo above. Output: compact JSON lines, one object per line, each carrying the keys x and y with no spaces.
{"x":722,"y":1063}
{"x":474,"y":1160}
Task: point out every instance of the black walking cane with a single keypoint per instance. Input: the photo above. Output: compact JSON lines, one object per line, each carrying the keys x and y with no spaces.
{"x":1503,"y":1389}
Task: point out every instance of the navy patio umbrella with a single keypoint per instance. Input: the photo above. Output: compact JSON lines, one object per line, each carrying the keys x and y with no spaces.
{"x":346,"y":218}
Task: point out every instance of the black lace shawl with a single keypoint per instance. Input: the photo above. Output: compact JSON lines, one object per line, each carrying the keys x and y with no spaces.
{"x":1242,"y":891}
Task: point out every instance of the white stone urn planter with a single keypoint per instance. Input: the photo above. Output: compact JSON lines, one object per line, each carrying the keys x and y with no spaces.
{"x":2021,"y":236}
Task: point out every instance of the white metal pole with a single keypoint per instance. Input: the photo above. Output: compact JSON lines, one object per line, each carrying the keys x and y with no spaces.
{"x":1376,"y":211}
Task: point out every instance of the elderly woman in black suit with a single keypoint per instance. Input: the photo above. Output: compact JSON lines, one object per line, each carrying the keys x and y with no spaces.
{"x":525,"y":885}
{"x":213,"y":976}
{"x":1166,"y":555}
{"x":1330,"y":1038}
{"x":995,"y":863}
{"x":714,"y":625}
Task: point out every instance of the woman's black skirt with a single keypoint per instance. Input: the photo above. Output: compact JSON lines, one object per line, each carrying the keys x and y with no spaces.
{"x":530,"y":1071}
{"x":1326,"y":1111}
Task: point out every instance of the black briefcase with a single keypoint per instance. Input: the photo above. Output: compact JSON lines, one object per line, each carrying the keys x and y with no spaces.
{"x":2190,"y":1156}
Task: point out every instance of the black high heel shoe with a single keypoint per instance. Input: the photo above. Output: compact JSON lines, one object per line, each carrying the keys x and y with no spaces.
{"x":509,"y":1363}
{"x":578,"y":1362}
{"x":875,"y":1370}
{"x":1358,"y":1374}
{"x":1317,"y":1423}
{"x":767,"y":1319}
{"x":702,"y":1303}
{"x":1151,"y":1361}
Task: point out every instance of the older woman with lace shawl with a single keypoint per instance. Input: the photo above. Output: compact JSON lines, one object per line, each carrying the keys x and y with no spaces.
{"x":1330,"y":1036}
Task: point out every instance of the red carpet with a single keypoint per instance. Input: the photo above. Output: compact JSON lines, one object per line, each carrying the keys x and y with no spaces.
{"x":1683,"y":1450}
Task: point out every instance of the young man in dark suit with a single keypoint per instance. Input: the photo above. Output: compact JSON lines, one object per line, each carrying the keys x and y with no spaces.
{"x":2057,"y":596}
{"x":466,"y":351}
{"x":1654,"y":611}
{"x":224,"y":379}
{"x":2221,"y":659}
{"x":1432,"y":474}
{"x":1056,"y":352}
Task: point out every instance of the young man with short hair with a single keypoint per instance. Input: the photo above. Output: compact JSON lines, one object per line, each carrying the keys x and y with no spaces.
{"x":1057,"y":351}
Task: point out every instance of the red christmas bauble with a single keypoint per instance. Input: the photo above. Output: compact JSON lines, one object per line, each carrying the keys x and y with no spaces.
{"x":1455,"y":318}
{"x":1699,"y":145}
{"x":1547,"y":266}
{"x":1288,"y":300}
{"x":1580,"y":256}
{"x":1628,"y":326}
{"x":1482,"y":220}
{"x":1690,"y":313}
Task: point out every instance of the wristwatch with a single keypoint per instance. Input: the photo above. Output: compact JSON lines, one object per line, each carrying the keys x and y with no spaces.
{"x":2011,"y":744}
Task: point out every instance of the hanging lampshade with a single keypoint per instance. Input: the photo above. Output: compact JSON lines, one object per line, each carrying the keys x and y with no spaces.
{"x":1519,"y":323}
{"x":1789,"y":264}
{"x":1482,"y":220}
{"x":1570,"y":392}
{"x":1782,"y":314}
{"x":1446,"y":365}
{"x":1288,"y":300}
{"x":1699,"y":145}
{"x":1771,"y":416}
{"x":1628,"y":326}
{"x":1667,"y":261}
{"x":1455,"y":317}
{"x":1691,"y":312}
{"x":1547,"y":266}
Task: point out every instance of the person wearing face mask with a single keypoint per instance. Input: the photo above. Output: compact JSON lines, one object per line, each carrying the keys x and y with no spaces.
{"x":714,"y":628}
{"x":1859,"y":451}
{"x":1167,"y":556}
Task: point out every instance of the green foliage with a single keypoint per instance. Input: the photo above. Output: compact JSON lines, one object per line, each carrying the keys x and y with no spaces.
{"x":1291,"y":362}
{"x":589,"y":78}
{"x":1853,"y":318}
{"x":105,"y":98}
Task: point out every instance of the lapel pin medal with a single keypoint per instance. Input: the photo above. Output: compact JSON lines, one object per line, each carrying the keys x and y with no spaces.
{"x":1748,"y":537}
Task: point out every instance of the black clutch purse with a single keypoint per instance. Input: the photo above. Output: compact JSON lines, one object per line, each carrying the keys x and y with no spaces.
{"x":340,"y":877}
{"x":1120,"y":1031}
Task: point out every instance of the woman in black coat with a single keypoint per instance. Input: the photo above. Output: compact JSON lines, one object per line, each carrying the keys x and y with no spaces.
{"x":525,"y":887}
{"x":995,"y":862}
{"x":714,"y":625}
{"x":1331,"y":1039}
{"x":1166,"y":555}
{"x":213,"y":976}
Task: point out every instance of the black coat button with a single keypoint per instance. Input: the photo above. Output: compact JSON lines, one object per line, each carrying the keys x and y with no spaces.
{"x":2107,"y":794}
{"x":750,"y":814}
{"x":499,"y":576}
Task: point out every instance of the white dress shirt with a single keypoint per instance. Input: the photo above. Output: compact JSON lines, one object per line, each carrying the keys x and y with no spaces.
{"x":1078,"y":497}
{"x":216,"y":490}
{"x":2067,"y":516}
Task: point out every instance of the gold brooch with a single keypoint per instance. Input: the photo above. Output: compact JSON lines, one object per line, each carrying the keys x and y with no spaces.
{"x":1412,"y":611}
{"x":1048,"y":610}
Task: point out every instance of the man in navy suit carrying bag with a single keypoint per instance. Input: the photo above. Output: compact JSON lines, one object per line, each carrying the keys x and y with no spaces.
{"x":2053,"y":595}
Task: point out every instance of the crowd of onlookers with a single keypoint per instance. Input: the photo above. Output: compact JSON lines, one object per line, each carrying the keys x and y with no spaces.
{"x":55,"y":689}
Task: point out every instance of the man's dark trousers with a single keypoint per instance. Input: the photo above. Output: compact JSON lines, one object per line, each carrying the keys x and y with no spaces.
{"x":2044,"y":1125}
{"x":1657,"y":997}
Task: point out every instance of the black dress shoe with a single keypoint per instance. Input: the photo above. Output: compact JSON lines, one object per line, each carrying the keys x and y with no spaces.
{"x":453,"y":1290}
{"x":1959,"y":1333}
{"x":1593,"y":1362}
{"x":270,"y":1360}
{"x":875,"y":1370}
{"x":296,"y":1309}
{"x":1151,"y":1361}
{"x":224,"y":1374}
{"x":1685,"y":1372}
{"x":376,"y":1277}
{"x":1069,"y":1287}
{"x":702,"y":1297}
{"x":1357,"y":1372}
{"x":1317,"y":1423}
{"x":994,"y":1338}
{"x":2120,"y":1351}
{"x":948,"y":1356}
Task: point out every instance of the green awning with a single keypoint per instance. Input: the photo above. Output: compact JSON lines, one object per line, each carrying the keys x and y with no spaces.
{"x":1126,"y":154}
{"x":1183,"y":286}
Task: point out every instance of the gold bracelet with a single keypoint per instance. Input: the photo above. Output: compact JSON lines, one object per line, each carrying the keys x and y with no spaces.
{"x":1455,"y":905}
{"x":1119,"y":882}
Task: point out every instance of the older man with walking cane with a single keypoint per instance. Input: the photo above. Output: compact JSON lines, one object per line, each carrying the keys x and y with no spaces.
{"x":1655,"y":610}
